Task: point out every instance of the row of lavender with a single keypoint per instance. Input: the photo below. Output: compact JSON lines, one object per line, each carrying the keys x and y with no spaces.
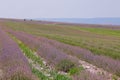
{"x":51,"y":54}
{"x":13,"y":64}
{"x":104,"y":62}
{"x":54,"y":51}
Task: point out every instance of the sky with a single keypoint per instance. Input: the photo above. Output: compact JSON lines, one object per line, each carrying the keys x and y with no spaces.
{"x":59,"y":8}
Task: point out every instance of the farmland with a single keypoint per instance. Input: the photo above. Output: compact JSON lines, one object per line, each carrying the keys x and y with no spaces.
{"x":56,"y":51}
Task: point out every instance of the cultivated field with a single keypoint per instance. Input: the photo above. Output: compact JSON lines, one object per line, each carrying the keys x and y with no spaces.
{"x":37,"y":50}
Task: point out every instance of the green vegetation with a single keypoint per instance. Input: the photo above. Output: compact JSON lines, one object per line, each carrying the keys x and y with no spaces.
{"x":100,"y":31}
{"x":65,"y":65}
{"x":76,"y":70}
{"x":30,"y":54}
{"x":100,"y":41}
{"x":40,"y":75}
{"x":114,"y":77}
{"x":61,"y":77}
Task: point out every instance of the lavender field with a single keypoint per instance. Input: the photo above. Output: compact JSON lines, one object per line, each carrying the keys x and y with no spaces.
{"x":39,"y":50}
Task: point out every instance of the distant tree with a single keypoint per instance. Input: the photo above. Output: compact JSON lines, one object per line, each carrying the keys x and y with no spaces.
{"x":24,"y":19}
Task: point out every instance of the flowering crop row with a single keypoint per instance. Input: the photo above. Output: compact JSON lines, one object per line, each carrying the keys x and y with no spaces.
{"x":13,"y":64}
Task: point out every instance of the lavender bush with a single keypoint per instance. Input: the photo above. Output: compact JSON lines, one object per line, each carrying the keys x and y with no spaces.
{"x":13,"y":64}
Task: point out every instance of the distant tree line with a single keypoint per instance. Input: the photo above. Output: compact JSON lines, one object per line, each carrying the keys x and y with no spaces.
{"x":28,"y":20}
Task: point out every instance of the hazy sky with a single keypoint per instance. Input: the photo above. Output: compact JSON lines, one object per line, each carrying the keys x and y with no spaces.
{"x":59,"y":8}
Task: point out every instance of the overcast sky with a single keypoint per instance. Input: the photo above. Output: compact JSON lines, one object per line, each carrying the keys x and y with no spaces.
{"x":59,"y":8}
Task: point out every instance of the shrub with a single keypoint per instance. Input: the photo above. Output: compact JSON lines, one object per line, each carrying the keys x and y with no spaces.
{"x":65,"y":65}
{"x":61,"y":77}
{"x":114,"y":77}
{"x":76,"y":70}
